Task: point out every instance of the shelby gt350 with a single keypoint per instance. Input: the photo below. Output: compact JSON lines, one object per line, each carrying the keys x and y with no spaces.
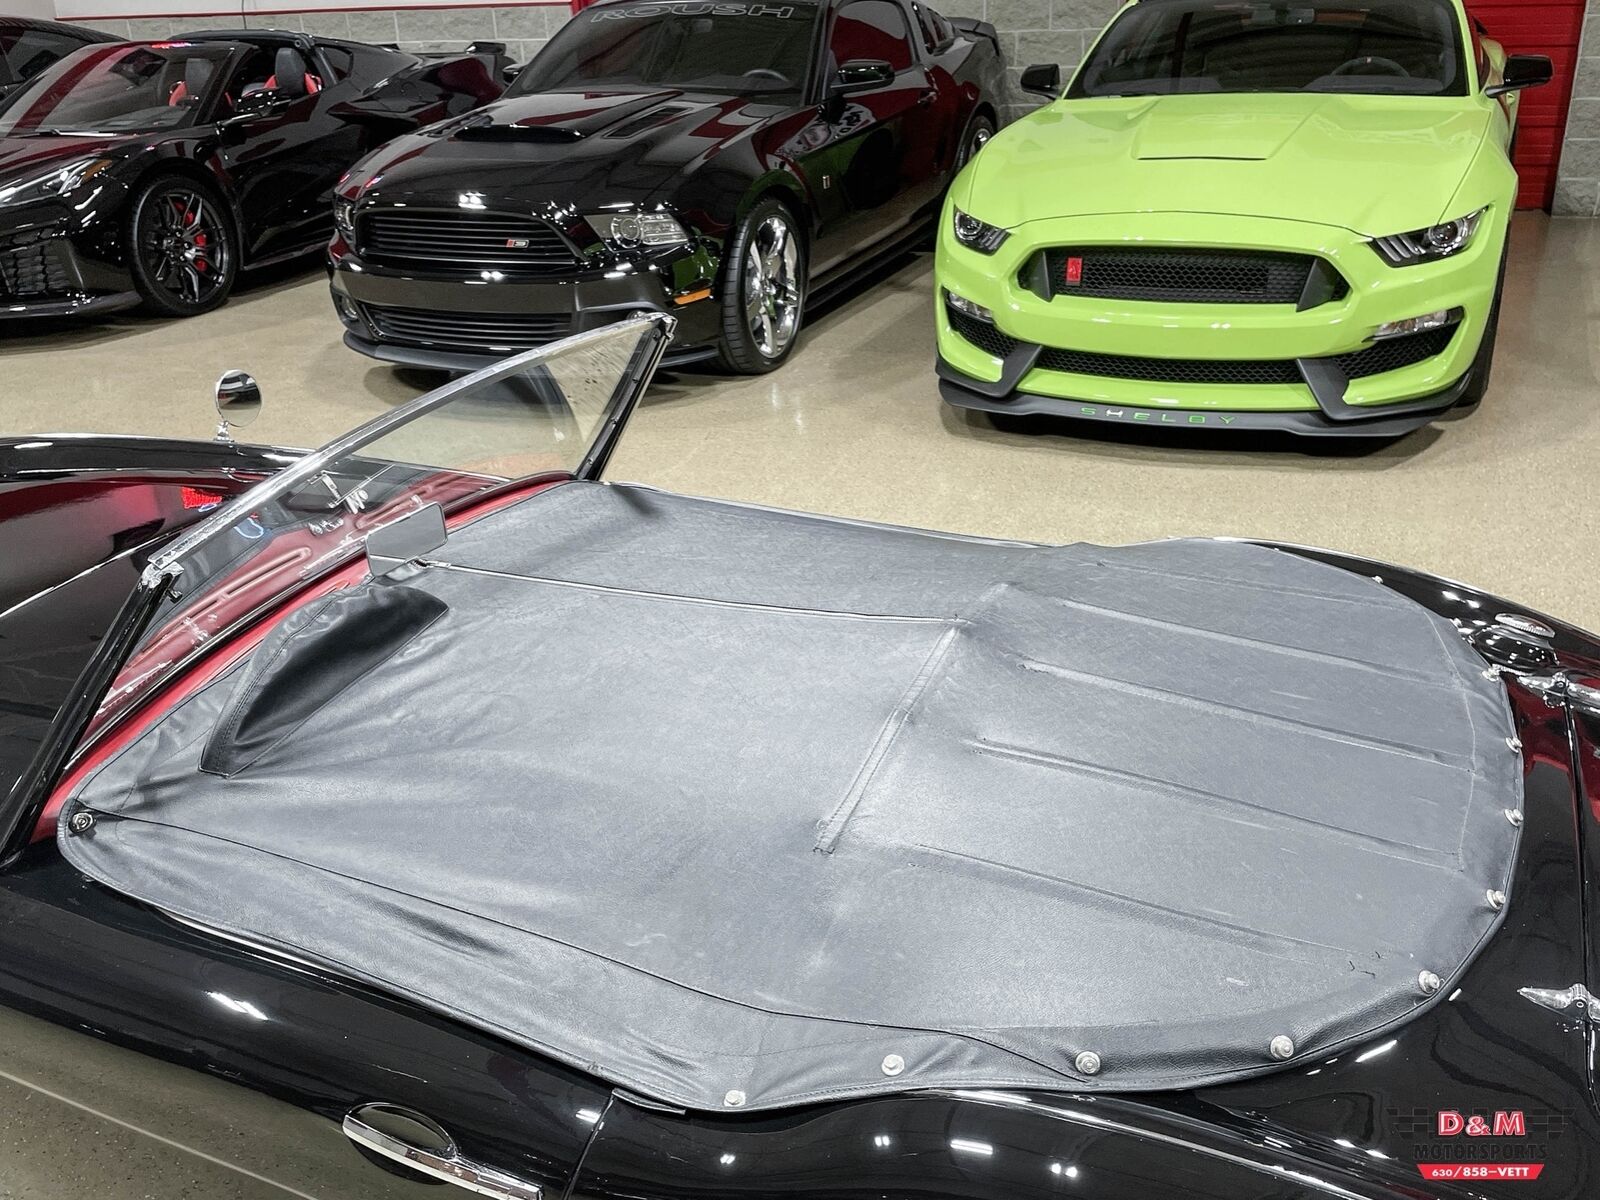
{"x":1282,"y":214}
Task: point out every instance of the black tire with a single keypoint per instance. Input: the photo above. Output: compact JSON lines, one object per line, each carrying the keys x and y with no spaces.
{"x":182,"y":251}
{"x":1483,"y":361}
{"x":763,"y":290}
{"x":979,"y":130}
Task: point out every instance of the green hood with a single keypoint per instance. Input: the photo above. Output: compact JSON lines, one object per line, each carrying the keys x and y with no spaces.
{"x":1372,"y":164}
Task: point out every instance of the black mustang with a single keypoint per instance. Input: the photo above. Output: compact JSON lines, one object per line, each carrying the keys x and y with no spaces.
{"x":156,"y":171}
{"x":725,"y":162}
{"x":425,"y":807}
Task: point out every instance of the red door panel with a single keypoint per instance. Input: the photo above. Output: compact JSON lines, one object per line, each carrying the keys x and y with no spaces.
{"x":1550,"y":27}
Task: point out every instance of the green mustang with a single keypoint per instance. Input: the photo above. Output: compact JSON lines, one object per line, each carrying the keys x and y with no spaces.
{"x":1281,"y":214}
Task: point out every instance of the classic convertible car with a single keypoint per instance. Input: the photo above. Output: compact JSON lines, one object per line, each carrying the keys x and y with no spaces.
{"x":154,"y":171}
{"x":428,"y":808}
{"x":726,"y":163}
{"x":1280,"y":214}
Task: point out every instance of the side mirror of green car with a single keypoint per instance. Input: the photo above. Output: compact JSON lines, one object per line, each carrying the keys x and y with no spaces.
{"x":1522,"y":71}
{"x":1043,"y":78}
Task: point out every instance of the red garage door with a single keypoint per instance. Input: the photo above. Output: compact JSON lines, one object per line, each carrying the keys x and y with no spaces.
{"x":1538,"y":27}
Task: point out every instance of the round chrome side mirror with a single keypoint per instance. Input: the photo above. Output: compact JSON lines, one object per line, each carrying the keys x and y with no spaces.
{"x":238,"y":402}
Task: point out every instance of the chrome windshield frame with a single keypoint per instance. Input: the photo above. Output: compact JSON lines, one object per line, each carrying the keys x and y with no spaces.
{"x":22,"y":808}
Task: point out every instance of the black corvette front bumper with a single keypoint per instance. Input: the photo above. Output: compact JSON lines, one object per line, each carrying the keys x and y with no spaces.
{"x":46,"y":271}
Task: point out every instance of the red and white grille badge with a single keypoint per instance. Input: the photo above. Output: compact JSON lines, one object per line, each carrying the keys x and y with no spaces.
{"x":1074,"y":271}
{"x":516,"y":243}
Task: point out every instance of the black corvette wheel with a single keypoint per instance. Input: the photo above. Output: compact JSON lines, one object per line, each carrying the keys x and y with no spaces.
{"x":181,"y":247}
{"x":763,"y":292}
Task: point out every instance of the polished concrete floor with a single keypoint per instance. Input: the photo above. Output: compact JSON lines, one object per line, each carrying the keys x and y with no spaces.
{"x":1507,"y":498}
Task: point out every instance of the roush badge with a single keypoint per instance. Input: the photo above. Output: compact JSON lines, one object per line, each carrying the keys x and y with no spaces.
{"x":516,"y":243}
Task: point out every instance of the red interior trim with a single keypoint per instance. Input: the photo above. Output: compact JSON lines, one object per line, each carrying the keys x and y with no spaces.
{"x":230,"y":650}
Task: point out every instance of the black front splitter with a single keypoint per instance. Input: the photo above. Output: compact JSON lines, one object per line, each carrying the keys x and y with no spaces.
{"x":1388,"y":422}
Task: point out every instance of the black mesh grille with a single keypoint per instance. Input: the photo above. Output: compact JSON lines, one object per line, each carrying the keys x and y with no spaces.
{"x":502,"y":333}
{"x":471,"y":241}
{"x":1393,"y":353}
{"x":33,"y":270}
{"x":1185,"y":276}
{"x":1172,"y":370}
{"x":980,"y":333}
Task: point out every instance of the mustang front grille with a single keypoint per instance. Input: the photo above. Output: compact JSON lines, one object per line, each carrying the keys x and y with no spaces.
{"x":469,"y":331}
{"x":1173,"y":370}
{"x":1183,"y":276}
{"x":33,"y":270}
{"x":1389,"y":355}
{"x":463,"y":240}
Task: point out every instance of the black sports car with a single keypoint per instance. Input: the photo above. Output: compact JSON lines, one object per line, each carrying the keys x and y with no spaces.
{"x":425,"y":807}
{"x":726,"y":163}
{"x":155,"y":171}
{"x":28,"y":46}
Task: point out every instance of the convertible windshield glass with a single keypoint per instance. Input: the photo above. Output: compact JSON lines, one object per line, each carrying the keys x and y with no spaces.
{"x":117,"y":88}
{"x":1407,"y":47}
{"x":754,"y":49}
{"x":551,"y":412}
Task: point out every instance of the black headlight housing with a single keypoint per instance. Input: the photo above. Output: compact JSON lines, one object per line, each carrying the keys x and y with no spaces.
{"x":1431,"y":244}
{"x":978,"y":235}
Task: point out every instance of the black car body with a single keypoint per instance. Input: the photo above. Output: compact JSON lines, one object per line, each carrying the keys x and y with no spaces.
{"x":126,"y":168}
{"x":477,"y":237}
{"x":201,"y":1058}
{"x":28,"y":46}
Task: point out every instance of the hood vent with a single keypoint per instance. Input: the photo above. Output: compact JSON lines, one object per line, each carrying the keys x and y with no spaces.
{"x":536,"y":134}
{"x":649,"y":120}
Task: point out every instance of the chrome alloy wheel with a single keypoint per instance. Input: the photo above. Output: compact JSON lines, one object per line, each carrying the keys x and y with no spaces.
{"x":184,"y":247}
{"x":772,"y":286}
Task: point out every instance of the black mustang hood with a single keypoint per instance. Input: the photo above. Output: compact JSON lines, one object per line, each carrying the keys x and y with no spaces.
{"x":565,"y":147}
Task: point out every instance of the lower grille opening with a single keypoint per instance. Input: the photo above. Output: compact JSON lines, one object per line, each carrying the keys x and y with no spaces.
{"x":1392,"y":354}
{"x":34,"y":270}
{"x":471,"y":332}
{"x":980,"y":333}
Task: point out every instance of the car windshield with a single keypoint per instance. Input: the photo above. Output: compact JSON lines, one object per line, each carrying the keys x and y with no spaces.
{"x":739,"y":49}
{"x":1402,"y":47}
{"x":116,"y":88}
{"x":545,"y":414}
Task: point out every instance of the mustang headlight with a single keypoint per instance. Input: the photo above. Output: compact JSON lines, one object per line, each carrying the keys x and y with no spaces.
{"x":978,"y":235}
{"x":344,"y":216}
{"x":58,"y":181}
{"x":1431,"y":244}
{"x":628,"y":231}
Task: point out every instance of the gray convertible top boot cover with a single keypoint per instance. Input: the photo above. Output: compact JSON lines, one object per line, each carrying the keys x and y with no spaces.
{"x":737,"y":807}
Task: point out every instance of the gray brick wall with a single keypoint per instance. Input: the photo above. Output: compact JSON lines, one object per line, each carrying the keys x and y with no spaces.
{"x":1578,"y":182}
{"x":1031,"y":31}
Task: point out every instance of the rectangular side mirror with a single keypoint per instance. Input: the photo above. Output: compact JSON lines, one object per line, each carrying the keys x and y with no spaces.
{"x":861,"y":75}
{"x":1522,"y":71}
{"x":1043,"y":79}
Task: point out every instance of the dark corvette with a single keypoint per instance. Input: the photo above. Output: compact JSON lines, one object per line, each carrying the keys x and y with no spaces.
{"x":28,"y":46}
{"x":726,"y":163}
{"x":156,"y":171}
{"x":292,"y":860}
